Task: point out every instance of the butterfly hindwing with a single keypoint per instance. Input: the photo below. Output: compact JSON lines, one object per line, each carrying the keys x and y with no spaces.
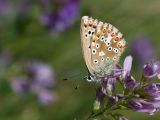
{"x":102,"y":45}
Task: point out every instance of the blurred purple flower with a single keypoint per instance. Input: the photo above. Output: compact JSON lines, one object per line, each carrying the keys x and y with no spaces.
{"x":142,"y":49}
{"x":48,"y":19}
{"x":45,"y":97}
{"x":63,"y":18}
{"x":123,"y":118}
{"x":4,"y":7}
{"x":41,"y":80}
{"x":151,"y":69}
{"x":42,"y":74}
{"x":24,"y":7}
{"x":20,"y":85}
{"x":142,"y":106}
{"x":67,"y":15}
{"x":45,"y":3}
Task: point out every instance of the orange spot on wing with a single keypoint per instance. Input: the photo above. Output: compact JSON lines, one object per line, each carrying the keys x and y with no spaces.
{"x":112,"y":34}
{"x":122,"y":46}
{"x":117,"y":39}
{"x":97,"y":34}
{"x":104,"y":30}
{"x":109,"y":31}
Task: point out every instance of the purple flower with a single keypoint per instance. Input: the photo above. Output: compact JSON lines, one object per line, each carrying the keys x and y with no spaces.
{"x":127,"y":65}
{"x":24,"y":7}
{"x":109,"y":84}
{"x":151,"y":69}
{"x":156,"y":104}
{"x":128,"y":79}
{"x":40,"y":82}
{"x":45,"y":3}
{"x":101,"y":93}
{"x":143,"y":49}
{"x":153,"y":90}
{"x":42,"y":74}
{"x":130,"y":82}
{"x":20,"y":85}
{"x":63,"y":18}
{"x":67,"y":15}
{"x":117,"y":71}
{"x":142,"y":106}
{"x":123,"y":118}
{"x":116,"y":98}
{"x":48,"y":19}
{"x":4,"y":7}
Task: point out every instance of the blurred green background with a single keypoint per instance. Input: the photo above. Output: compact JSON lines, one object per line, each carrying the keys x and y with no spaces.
{"x":28,"y":40}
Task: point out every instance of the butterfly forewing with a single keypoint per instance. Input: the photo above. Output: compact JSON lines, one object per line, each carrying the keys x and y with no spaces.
{"x":102,"y":45}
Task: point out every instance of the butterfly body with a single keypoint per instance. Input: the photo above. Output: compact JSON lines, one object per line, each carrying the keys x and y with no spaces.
{"x":102,"y":45}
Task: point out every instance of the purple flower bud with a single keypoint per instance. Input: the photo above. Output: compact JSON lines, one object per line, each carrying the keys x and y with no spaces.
{"x":101,"y":93}
{"x":123,"y":118}
{"x":156,"y":104}
{"x":109,"y":84}
{"x":142,"y":106}
{"x":117,"y":71}
{"x":151,"y":69}
{"x":141,"y":44}
{"x":20,"y":85}
{"x":127,"y":66}
{"x":129,"y":82}
{"x":153,"y":90}
{"x":116,"y":98}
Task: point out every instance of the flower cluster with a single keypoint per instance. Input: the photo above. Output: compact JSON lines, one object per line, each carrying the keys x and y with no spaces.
{"x":56,"y":16}
{"x":140,"y":44}
{"x":138,"y":95}
{"x":40,"y":82}
{"x":62,"y":18}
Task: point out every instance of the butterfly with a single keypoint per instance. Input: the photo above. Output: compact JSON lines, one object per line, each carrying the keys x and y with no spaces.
{"x":102,"y":46}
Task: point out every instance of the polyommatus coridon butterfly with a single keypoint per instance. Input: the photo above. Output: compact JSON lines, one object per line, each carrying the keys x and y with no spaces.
{"x":102,"y":45}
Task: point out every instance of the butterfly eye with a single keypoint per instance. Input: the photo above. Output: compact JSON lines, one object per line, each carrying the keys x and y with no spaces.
{"x":94,"y":51}
{"x":95,"y":61}
{"x":110,"y":49}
